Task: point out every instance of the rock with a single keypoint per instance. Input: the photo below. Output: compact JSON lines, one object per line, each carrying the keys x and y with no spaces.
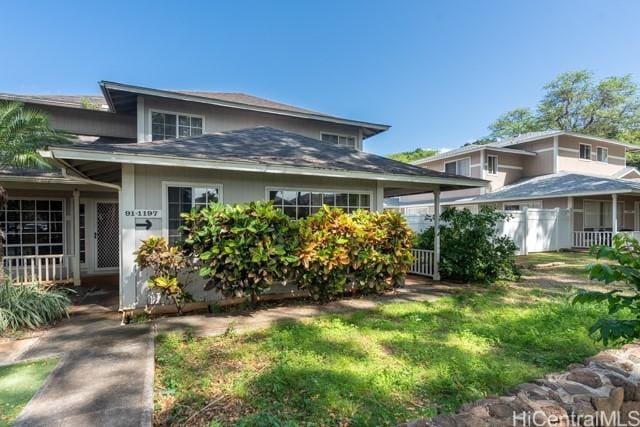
{"x":586,"y":377}
{"x":620,"y":370}
{"x":468,"y":420}
{"x":630,"y":413}
{"x":573,"y":366}
{"x":603,"y":357}
{"x":609,"y":406}
{"x":582,"y":409}
{"x":442,"y":421}
{"x":501,"y":410}
{"x":572,"y":388}
{"x":630,"y":389}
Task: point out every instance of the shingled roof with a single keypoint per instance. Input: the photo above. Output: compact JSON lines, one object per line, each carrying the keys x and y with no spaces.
{"x":267,"y":146}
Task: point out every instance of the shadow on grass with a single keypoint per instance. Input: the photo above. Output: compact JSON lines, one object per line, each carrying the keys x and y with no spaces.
{"x":383,"y":366}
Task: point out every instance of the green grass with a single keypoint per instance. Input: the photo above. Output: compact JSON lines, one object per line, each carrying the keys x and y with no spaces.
{"x":569,"y":263}
{"x":18,"y":384}
{"x":397,"y":362}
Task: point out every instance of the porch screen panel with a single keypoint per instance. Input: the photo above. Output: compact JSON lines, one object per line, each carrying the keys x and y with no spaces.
{"x":598,"y":215}
{"x":33,"y":227}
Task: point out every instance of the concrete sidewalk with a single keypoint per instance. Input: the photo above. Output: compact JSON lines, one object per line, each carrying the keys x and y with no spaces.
{"x":104,"y":377}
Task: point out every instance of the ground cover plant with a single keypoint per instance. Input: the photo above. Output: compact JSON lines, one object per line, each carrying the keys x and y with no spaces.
{"x":400,"y":361}
{"x":30,"y":306}
{"x":18,"y":383}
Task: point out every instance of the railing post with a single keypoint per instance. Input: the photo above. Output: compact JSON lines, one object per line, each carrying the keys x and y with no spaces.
{"x":76,"y":238}
{"x":436,"y":234}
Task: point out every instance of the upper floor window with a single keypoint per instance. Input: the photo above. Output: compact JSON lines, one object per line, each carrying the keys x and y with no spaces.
{"x":170,"y":125}
{"x":492,"y":165}
{"x":459,"y":167}
{"x":339,"y":139}
{"x":602,"y":154}
{"x":585,"y":151}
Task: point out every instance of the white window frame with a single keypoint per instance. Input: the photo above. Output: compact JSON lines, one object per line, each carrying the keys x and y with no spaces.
{"x":590,"y":152}
{"x":319,"y":190}
{"x":488,"y":171}
{"x":355,"y":138}
{"x":456,"y":161}
{"x":529,"y":204}
{"x":165,"y":198}
{"x":606,"y":151}
{"x":177,"y":114}
{"x":35,"y":244}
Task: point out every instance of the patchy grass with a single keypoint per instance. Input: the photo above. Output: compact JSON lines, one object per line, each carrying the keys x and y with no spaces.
{"x":18,"y":384}
{"x":380,"y":367}
{"x":568,"y":263}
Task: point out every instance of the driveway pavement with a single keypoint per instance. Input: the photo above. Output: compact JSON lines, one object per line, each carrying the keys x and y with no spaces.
{"x":104,"y":378}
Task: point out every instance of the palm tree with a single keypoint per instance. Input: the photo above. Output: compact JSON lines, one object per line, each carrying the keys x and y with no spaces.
{"x":23,"y":131}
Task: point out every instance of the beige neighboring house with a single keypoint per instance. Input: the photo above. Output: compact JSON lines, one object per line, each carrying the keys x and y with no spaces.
{"x":143,"y":156}
{"x":544,"y":170}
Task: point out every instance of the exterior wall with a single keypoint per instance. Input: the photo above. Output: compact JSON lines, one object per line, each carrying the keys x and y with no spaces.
{"x":220,"y":119}
{"x":569,"y":156}
{"x":542,"y":163}
{"x":90,"y":122}
{"x":475,"y":163}
{"x":146,"y":185}
{"x":510,"y":169}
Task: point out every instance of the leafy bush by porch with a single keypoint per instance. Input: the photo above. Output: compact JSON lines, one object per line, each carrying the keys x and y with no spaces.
{"x":30,"y":306}
{"x":471,"y":250}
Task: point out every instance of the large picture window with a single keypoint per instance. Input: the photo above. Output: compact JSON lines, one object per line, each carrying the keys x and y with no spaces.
{"x":33,"y":227}
{"x":169,"y":126}
{"x":301,"y":203}
{"x":182,"y":199}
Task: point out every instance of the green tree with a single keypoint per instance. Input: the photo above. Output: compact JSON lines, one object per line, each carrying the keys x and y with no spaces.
{"x":410,"y":156}
{"x":575,"y":102}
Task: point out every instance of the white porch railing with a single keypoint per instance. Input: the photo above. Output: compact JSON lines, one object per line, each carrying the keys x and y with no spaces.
{"x":39,"y":268}
{"x":586,"y":239}
{"x":423,"y":264}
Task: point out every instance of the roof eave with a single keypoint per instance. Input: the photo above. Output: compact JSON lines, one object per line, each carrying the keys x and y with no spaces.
{"x":160,"y":160}
{"x":375,"y":128}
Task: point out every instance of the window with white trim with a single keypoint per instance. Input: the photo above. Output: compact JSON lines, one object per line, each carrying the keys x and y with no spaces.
{"x":301,"y":203}
{"x":602,"y":154}
{"x":585,"y":151}
{"x":349,"y":141}
{"x":459,"y":167}
{"x":169,"y":125}
{"x":33,"y":227}
{"x":520,"y":205}
{"x":181,"y":199}
{"x":492,"y":165}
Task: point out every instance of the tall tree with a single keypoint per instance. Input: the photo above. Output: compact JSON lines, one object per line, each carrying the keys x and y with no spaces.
{"x":575,"y":102}
{"x":410,"y":156}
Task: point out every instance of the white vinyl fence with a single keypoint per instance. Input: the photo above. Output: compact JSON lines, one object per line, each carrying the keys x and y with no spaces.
{"x":423,"y":262}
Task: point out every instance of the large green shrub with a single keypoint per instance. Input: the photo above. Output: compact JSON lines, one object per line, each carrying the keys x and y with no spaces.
{"x":30,"y":306}
{"x":242,"y":249}
{"x":625,"y":252}
{"x":365,"y":251}
{"x":471,"y":250}
{"x":165,"y":263}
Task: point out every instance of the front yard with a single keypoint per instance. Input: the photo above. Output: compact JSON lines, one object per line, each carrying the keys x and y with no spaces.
{"x":380,"y":367}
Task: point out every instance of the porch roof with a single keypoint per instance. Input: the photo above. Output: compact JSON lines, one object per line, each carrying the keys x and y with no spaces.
{"x":264,"y":149}
{"x":562,"y":184}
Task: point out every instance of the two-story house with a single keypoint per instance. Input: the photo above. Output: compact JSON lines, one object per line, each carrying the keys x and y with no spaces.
{"x":143,"y":156}
{"x":545,"y":170}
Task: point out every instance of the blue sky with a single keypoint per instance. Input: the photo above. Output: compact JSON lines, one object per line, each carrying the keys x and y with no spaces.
{"x":438,"y":72}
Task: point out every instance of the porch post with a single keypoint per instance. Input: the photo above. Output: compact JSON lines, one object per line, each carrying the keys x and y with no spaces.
{"x":571,"y":221}
{"x":76,"y":237}
{"x":379,"y":196}
{"x":614,"y":214}
{"x":436,"y":234}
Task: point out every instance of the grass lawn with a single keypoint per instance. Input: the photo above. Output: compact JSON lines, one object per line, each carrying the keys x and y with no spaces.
{"x":381,"y":367}
{"x":569,"y":263}
{"x":18,"y":384}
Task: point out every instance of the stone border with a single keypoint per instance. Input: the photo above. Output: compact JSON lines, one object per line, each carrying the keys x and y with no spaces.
{"x":604,"y":390}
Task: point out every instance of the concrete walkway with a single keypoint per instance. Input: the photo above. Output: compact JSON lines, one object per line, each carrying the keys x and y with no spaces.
{"x":104,"y":377}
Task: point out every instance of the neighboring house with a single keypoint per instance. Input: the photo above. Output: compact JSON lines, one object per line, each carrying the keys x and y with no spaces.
{"x":546,"y":170}
{"x":145,"y":155}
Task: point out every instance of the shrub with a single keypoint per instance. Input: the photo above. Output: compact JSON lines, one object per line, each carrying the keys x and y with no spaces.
{"x":242,"y":249}
{"x":165,"y":264}
{"x":30,"y":306}
{"x":625,"y":251}
{"x":470,"y":249}
{"x":367,"y":251}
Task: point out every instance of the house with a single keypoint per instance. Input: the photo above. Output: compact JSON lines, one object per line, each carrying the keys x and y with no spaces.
{"x":544,"y":170}
{"x":145,"y":155}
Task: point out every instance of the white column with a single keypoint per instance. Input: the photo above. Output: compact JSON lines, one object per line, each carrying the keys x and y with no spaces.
{"x":140,"y":119}
{"x":571,"y":220}
{"x":614,"y":213}
{"x":76,"y":237}
{"x":525,"y":232}
{"x":555,"y":154}
{"x":380,"y":197}
{"x":127,"y":239}
{"x":483,"y":165}
{"x":436,"y":234}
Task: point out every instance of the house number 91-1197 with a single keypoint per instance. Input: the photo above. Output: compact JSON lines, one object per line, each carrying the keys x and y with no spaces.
{"x":143,"y":213}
